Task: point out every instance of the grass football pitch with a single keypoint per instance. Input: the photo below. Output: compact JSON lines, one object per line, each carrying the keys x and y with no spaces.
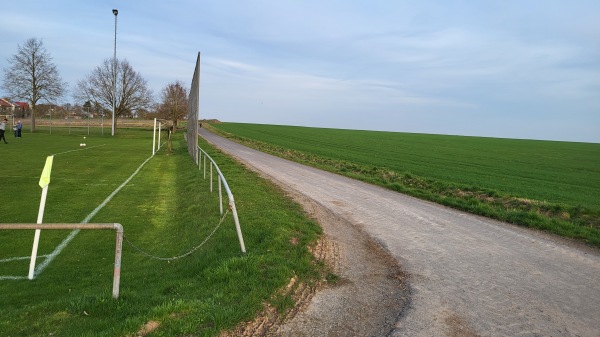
{"x":166,"y":210}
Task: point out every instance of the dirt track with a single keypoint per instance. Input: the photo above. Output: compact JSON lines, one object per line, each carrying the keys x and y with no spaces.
{"x":467,"y":275}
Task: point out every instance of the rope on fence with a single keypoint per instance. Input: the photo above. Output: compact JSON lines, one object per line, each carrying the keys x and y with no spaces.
{"x":182,"y":255}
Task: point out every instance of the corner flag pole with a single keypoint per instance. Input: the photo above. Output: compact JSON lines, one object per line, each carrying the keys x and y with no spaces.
{"x":44,"y":182}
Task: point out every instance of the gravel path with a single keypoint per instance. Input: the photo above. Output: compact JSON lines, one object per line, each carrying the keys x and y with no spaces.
{"x":467,"y":275}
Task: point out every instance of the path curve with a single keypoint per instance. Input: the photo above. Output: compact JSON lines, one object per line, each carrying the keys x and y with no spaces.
{"x":468,"y":275}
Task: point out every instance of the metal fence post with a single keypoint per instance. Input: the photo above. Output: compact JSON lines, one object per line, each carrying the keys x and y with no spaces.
{"x":223,"y":181}
{"x":220,"y":195}
{"x":238,"y":229}
{"x":118,"y":253}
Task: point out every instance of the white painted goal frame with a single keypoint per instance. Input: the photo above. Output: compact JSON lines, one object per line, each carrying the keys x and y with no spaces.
{"x":118,"y":245}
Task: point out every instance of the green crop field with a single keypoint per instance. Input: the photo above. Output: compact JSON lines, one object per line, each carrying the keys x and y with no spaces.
{"x":550,"y":185}
{"x":167,"y":210}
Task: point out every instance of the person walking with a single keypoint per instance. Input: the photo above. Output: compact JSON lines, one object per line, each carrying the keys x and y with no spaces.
{"x":2,"y":129}
{"x":18,"y":128}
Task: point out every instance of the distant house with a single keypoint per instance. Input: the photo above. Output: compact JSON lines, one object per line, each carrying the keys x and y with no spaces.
{"x":6,"y":107}
{"x":21,"y":109}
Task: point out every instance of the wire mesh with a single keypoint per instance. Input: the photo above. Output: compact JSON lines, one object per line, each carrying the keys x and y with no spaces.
{"x":193,"y":112}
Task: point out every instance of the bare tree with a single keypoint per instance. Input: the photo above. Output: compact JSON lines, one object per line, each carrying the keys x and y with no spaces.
{"x":132,"y":91}
{"x":174,"y":105}
{"x":32,"y":76}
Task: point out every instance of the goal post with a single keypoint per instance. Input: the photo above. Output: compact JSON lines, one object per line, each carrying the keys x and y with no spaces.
{"x":118,"y":245}
{"x":157,"y":129}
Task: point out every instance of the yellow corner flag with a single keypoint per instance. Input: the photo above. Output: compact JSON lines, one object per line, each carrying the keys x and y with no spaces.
{"x":45,"y":178}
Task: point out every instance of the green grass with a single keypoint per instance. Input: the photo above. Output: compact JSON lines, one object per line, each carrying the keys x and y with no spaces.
{"x":165,"y":210}
{"x":554,"y":186}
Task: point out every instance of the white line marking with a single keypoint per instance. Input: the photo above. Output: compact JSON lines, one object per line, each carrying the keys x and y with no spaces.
{"x":13,"y":277}
{"x":40,"y":268}
{"x":87,"y":148}
{"x":19,"y":258}
{"x":65,"y":242}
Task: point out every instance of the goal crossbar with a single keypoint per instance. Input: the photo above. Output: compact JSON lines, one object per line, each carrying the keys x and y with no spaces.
{"x":115,"y":226}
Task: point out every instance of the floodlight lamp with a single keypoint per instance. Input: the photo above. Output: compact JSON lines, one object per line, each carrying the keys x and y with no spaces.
{"x":115,"y":12}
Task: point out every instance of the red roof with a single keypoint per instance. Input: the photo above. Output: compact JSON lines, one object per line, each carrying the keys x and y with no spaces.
{"x":4,"y":102}
{"x":22,"y":105}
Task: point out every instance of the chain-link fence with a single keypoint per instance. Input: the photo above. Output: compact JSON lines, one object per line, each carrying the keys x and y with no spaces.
{"x":97,"y":126}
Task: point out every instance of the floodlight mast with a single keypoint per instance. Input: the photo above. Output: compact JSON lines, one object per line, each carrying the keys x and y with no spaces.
{"x":115,"y":12}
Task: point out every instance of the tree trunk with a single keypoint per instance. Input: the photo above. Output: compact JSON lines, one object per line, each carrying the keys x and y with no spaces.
{"x":169,"y":144}
{"x":32,"y":118}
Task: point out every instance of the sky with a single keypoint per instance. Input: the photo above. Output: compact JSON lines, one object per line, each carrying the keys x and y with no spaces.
{"x":507,"y":69}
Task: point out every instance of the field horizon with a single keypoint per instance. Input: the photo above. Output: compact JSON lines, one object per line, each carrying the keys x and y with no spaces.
{"x":214,"y":121}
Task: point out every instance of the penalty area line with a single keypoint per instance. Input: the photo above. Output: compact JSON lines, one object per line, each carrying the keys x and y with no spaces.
{"x":87,"y":148}
{"x":13,"y":277}
{"x":40,"y":268}
{"x":17,"y":258}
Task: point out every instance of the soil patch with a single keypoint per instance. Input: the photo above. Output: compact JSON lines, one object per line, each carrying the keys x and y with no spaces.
{"x":366,"y":298}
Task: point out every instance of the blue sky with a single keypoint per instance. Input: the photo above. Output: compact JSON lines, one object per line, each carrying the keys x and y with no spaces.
{"x":510,"y":69}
